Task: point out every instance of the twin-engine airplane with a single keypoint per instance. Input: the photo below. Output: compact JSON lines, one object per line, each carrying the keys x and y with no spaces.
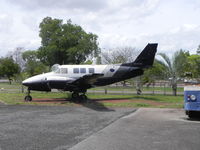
{"x":78,"y":78}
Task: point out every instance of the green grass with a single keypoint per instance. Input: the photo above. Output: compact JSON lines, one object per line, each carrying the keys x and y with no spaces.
{"x":9,"y":97}
{"x":127,"y":105}
{"x":134,"y":100}
{"x":14,"y":85}
{"x":163,"y":101}
{"x":18,"y":98}
{"x":161,"y":98}
{"x":157,"y":98}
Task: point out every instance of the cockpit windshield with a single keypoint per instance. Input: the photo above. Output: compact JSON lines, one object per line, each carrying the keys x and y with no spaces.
{"x":55,"y":68}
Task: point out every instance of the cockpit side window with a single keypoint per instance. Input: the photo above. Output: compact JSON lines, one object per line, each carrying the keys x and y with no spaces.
{"x":82,"y":70}
{"x":64,"y":70}
{"x":91,"y":70}
{"x":76,"y":70}
{"x":58,"y":70}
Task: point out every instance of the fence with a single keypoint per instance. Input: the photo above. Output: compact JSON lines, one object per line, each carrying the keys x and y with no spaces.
{"x":162,"y":87}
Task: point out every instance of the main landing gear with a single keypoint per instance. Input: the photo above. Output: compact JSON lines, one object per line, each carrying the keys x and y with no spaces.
{"x":28,"y":97}
{"x":79,"y":98}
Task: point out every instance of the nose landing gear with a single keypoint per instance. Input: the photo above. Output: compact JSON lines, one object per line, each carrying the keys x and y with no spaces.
{"x":28,"y":97}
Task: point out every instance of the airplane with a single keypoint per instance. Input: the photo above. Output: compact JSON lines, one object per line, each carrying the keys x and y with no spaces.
{"x":78,"y":78}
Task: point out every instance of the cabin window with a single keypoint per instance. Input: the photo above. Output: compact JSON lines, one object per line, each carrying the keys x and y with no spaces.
{"x":82,"y":70}
{"x":91,"y":70}
{"x":64,"y":70}
{"x":76,"y":70}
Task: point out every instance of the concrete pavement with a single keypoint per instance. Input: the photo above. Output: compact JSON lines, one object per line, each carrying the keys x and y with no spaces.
{"x":147,"y":129}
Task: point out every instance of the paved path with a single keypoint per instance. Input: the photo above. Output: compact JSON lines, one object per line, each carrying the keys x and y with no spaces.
{"x":147,"y":129}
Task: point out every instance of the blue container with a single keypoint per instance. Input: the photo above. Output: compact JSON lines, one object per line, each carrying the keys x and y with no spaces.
{"x":192,"y":100}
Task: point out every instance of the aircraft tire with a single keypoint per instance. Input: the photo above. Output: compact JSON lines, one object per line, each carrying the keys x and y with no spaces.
{"x":28,"y":98}
{"x":75,"y":95}
{"x":83,"y":97}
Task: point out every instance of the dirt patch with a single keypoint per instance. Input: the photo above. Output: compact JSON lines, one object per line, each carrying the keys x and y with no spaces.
{"x":114,"y":101}
{"x":50,"y":100}
{"x":150,"y":102}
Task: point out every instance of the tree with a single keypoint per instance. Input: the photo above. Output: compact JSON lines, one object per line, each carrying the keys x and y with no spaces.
{"x":33,"y":66}
{"x":175,"y":67}
{"x":198,"y":50}
{"x":119,"y":55}
{"x":194,"y":65}
{"x":17,"y":57}
{"x":157,"y":72}
{"x":8,"y":68}
{"x":65,"y":43}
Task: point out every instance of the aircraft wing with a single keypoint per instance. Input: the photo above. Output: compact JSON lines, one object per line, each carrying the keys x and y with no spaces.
{"x":88,"y":79}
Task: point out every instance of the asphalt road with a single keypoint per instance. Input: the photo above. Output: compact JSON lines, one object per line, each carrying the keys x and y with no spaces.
{"x":52,"y":127}
{"x":86,"y":128}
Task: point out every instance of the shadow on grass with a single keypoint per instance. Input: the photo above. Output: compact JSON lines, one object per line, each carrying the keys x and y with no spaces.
{"x":129,"y":98}
{"x":91,"y":104}
{"x":50,"y":100}
{"x":95,"y":105}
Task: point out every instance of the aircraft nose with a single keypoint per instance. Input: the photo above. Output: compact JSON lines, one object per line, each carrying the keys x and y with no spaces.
{"x":35,"y":80}
{"x":26,"y":82}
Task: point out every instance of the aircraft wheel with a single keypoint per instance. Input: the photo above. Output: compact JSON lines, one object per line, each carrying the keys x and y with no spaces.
{"x":83,"y":97}
{"x":75,"y":95}
{"x":28,"y":98}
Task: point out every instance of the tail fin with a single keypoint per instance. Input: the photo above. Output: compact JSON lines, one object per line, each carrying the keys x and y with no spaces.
{"x":145,"y":58}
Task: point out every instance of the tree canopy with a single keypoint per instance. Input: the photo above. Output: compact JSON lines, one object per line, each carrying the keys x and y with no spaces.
{"x":194,"y":65}
{"x":65,"y":43}
{"x":33,"y":66}
{"x":8,"y":68}
{"x":157,"y":72}
{"x":175,"y":67}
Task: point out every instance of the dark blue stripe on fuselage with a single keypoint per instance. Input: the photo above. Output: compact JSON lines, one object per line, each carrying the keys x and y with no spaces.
{"x":123,"y":73}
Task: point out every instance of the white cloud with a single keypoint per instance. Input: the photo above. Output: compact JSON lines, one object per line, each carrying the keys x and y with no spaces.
{"x":174,"y":24}
{"x":89,"y":5}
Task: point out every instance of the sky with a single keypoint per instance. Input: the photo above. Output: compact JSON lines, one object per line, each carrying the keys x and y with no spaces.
{"x":173,"y":24}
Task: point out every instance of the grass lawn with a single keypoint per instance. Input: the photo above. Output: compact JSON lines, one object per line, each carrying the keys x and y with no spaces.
{"x":131,"y":100}
{"x":11,"y":94}
{"x":6,"y":85}
{"x":160,"y":101}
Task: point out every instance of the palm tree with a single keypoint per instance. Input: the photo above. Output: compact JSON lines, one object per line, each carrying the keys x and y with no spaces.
{"x":175,"y":67}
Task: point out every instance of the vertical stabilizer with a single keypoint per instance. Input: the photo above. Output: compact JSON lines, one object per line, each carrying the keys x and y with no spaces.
{"x":146,"y":58}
